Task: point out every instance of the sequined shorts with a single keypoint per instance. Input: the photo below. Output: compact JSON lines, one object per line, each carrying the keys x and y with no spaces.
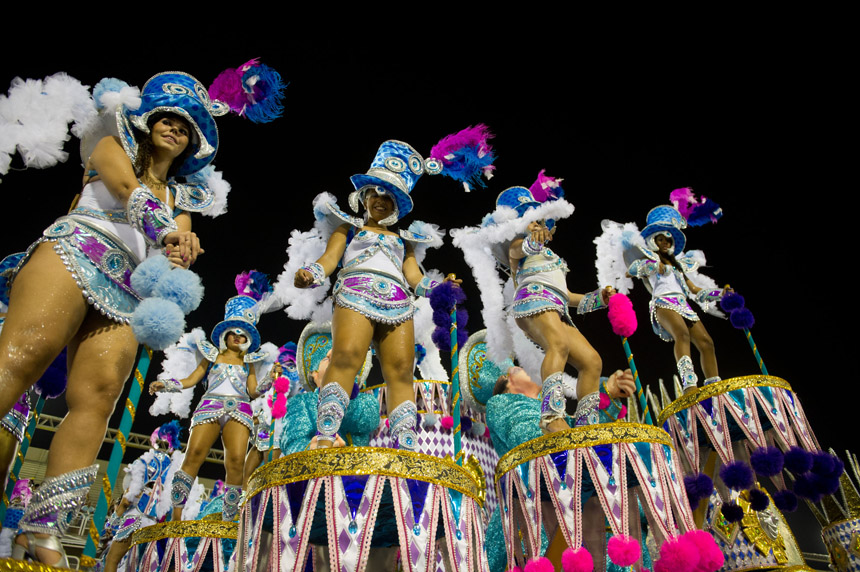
{"x":678,"y":304}
{"x":222,"y":408}
{"x":15,"y":422}
{"x":100,"y":265}
{"x":535,"y":298}
{"x":375,"y":296}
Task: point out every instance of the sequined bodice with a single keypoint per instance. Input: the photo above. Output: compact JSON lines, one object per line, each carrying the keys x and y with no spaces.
{"x":547,"y":267}
{"x":227,"y":379}
{"x":373,"y":252}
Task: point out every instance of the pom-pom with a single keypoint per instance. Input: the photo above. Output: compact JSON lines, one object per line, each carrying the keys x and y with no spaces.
{"x":737,"y":476}
{"x":797,"y":460}
{"x":677,"y":555}
{"x":732,"y":512}
{"x":53,"y":382}
{"x":623,"y":551}
{"x":742,"y":319}
{"x":182,"y":287}
{"x":478,"y":429}
{"x":442,"y":318}
{"x":699,"y":486}
{"x":465,"y":424}
{"x":578,"y":560}
{"x":148,"y":273}
{"x":758,"y":499}
{"x":157,"y":323}
{"x":282,"y":385}
{"x":447,"y":422}
{"x":429,"y":420}
{"x":466,"y":155}
{"x":487,"y":432}
{"x":824,"y":485}
{"x":516,"y":569}
{"x":805,"y":487}
{"x":445,"y":295}
{"x":107,"y":85}
{"x":621,"y":315}
{"x":711,"y":558}
{"x":767,"y":461}
{"x":279,"y":407}
{"x":823,"y":463}
{"x":786,"y":501}
{"x":542,"y":564}
{"x":731,"y":302}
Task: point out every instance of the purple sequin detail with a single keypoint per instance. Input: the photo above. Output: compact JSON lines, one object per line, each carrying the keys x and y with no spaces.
{"x":353,"y":486}
{"x":418,"y":493}
{"x":22,"y":406}
{"x":366,"y":284}
{"x":560,"y":461}
{"x":523,"y":293}
{"x":95,"y":252}
{"x":604,"y":453}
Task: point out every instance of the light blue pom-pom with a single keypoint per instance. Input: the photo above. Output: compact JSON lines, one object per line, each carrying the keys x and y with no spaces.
{"x":157,"y":323}
{"x":478,"y":429}
{"x":429,"y":420}
{"x":146,"y":276}
{"x":182,"y":287}
{"x":107,"y":84}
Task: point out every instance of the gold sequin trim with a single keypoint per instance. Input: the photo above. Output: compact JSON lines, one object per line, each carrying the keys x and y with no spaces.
{"x":588,"y":436}
{"x":363,"y":461}
{"x":712,"y":389}
{"x":186,"y":529}
{"x":9,"y":565}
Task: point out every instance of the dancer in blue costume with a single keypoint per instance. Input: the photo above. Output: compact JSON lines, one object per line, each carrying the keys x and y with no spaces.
{"x":373,"y":302}
{"x":73,"y":286}
{"x":146,"y":499}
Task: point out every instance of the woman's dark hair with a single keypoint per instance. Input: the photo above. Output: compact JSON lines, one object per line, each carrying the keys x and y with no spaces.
{"x":501,"y":385}
{"x":145,"y":147}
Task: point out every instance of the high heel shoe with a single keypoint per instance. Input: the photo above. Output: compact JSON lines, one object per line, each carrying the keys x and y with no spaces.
{"x":21,"y":552}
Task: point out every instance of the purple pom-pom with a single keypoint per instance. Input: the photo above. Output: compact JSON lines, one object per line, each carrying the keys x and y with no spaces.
{"x":737,"y":476}
{"x":442,"y":318}
{"x":838,"y":468}
{"x":542,"y":564}
{"x":731,"y":302}
{"x":797,"y":460}
{"x":732,"y":512}
{"x":53,"y":382}
{"x":742,"y":318}
{"x":805,"y":487}
{"x":578,"y":560}
{"x":786,"y":501}
{"x":824,"y":485}
{"x":758,"y":499}
{"x":823,"y":463}
{"x":623,"y":551}
{"x":442,"y":338}
{"x":767,"y":461}
{"x":699,"y":486}
{"x":465,"y":423}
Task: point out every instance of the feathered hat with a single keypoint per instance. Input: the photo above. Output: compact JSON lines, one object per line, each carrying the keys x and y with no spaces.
{"x":521,"y":199}
{"x":169,"y":432}
{"x":182,"y":94}
{"x":463,"y":156}
{"x":314,"y":343}
{"x":481,"y":372}
{"x":242,"y":312}
{"x":665,"y":221}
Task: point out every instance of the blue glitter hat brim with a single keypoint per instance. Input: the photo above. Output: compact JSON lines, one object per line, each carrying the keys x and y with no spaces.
{"x":249,"y":328}
{"x":401,"y":198}
{"x":678,"y":239}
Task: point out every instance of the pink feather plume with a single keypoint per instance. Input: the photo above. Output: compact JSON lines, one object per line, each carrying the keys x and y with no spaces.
{"x":621,"y":315}
{"x":545,"y":187}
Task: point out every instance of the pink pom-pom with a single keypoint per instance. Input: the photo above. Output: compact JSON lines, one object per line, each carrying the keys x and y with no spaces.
{"x":279,"y":409}
{"x":447,"y":422}
{"x":623,"y":413}
{"x":677,"y":554}
{"x":386,"y":423}
{"x":604,"y":402}
{"x":487,"y":432}
{"x":578,"y":560}
{"x":623,"y":551}
{"x":621,"y":315}
{"x":711,"y":558}
{"x":516,"y":569}
{"x":282,"y":385}
{"x":542,"y":564}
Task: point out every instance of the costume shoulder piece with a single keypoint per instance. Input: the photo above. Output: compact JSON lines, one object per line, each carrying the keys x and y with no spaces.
{"x":209,"y":351}
{"x":410,"y":236}
{"x":256,"y":356}
{"x":193,"y":197}
{"x":688,"y":261}
{"x":353,"y":220}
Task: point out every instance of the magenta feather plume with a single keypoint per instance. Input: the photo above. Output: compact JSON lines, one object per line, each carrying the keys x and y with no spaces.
{"x":254,"y":284}
{"x":228,"y":88}
{"x":546,"y":188}
{"x":466,"y":155}
{"x":696,"y":211}
{"x":622,"y":317}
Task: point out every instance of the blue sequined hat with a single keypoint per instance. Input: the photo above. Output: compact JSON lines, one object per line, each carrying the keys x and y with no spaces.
{"x":518,"y":198}
{"x":395,"y":169}
{"x":665,"y":220}
{"x":240,"y":313}
{"x":179,"y":93}
{"x":314,"y":344}
{"x":481,"y":373}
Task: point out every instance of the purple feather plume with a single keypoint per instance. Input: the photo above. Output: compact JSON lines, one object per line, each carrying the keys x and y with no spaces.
{"x":697,"y":211}
{"x":546,"y":188}
{"x":287,"y":353}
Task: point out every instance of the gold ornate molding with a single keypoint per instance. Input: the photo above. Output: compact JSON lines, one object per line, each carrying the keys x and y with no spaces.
{"x":186,"y":529}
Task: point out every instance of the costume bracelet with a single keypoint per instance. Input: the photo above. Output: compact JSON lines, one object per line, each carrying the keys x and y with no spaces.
{"x":705,"y":297}
{"x":171,"y":385}
{"x":148,"y":215}
{"x":424,"y":287}
{"x":530,"y":248}
{"x":591,"y":302}
{"x":265,"y":385}
{"x":317,"y":271}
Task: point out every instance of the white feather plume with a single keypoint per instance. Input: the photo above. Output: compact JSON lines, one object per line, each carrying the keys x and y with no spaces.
{"x":7,"y":536}
{"x":429,"y":230}
{"x":195,"y":500}
{"x":220,"y":188}
{"x":611,"y":245}
{"x":431,"y":366}
{"x":164,"y":502}
{"x":179,"y":361}
{"x":264,"y":367}
{"x":137,"y":476}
